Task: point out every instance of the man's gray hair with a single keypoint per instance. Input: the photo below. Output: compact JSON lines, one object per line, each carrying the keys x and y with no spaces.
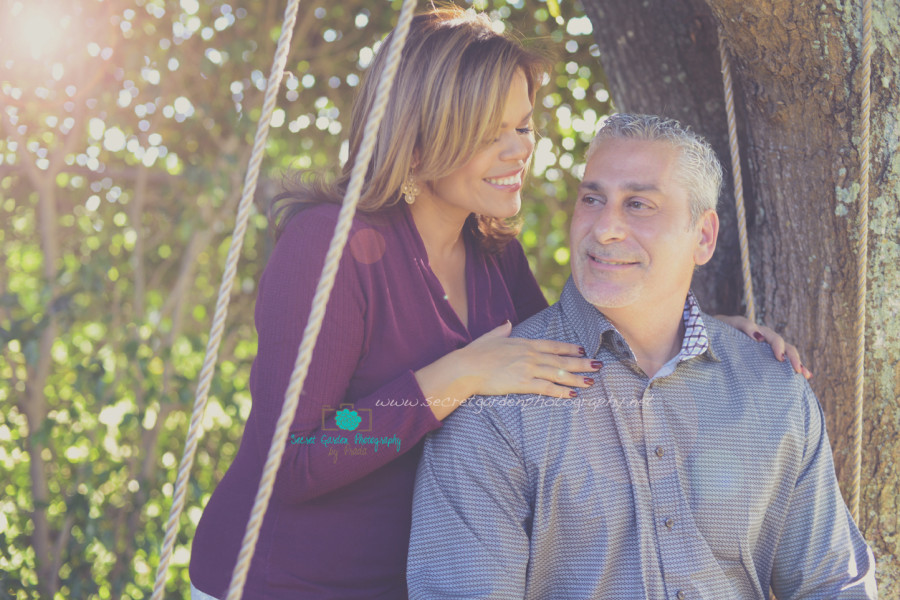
{"x":699,"y":170}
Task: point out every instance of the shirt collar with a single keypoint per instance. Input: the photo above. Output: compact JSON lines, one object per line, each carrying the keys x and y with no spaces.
{"x":588,"y":323}
{"x":696,"y":339}
{"x":592,"y":327}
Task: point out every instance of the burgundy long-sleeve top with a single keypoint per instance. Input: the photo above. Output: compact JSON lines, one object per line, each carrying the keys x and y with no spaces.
{"x":339,"y":519}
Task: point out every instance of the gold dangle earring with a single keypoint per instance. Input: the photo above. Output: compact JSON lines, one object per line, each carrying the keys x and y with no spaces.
{"x":409,"y":189}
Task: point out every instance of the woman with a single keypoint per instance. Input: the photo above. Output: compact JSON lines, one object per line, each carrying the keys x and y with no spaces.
{"x":418,"y":321}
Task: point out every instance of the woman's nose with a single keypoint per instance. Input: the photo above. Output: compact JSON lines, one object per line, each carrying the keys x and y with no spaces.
{"x":518,"y":146}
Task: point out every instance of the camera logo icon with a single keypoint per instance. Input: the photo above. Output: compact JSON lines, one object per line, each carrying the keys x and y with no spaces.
{"x":347,"y":418}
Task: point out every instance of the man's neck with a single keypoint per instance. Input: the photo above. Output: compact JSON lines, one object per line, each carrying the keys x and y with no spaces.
{"x":654,"y":336}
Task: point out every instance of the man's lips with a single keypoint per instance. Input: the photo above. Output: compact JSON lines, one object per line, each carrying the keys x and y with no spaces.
{"x":612,"y":262}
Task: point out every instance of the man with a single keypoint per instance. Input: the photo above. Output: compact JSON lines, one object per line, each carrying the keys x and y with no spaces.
{"x":695,"y":466}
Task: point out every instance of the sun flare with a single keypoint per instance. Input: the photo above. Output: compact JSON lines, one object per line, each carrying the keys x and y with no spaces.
{"x":36,"y":29}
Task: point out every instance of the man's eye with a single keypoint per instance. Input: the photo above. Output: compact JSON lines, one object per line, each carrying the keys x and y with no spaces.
{"x":590,"y":200}
{"x":638,"y":204}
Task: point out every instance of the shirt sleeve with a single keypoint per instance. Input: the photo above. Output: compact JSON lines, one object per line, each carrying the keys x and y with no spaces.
{"x":283,"y":306}
{"x":527,"y":296}
{"x":471,"y":512}
{"x":821,"y":553}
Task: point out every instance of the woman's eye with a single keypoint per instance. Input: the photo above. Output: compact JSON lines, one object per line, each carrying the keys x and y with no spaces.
{"x":519,"y":130}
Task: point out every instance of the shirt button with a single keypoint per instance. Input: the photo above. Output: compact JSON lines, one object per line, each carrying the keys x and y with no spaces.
{"x":659,"y":451}
{"x":680,"y":595}
{"x":670,"y":522}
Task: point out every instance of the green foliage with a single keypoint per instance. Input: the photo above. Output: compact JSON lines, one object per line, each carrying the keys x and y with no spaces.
{"x":126,"y":127}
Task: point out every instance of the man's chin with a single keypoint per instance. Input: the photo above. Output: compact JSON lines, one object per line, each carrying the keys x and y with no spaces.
{"x":609,"y":296}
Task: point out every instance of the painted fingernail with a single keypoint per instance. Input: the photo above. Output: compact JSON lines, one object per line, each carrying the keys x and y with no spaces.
{"x":582,"y":351}
{"x":588,"y":381}
{"x":782,"y":356}
{"x":596,"y":364}
{"x":758,"y":336}
{"x":572,"y":393}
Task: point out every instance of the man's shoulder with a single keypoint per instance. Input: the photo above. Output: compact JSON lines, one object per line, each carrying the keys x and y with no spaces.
{"x":745,"y":381}
{"x":480,"y":418}
{"x":744,"y":357}
{"x":545,"y":325}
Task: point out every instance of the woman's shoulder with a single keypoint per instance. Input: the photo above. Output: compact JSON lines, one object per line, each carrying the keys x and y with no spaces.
{"x":316,"y":216}
{"x":311,"y":219}
{"x":374,"y":238}
{"x":316,"y":223}
{"x":299,"y":254}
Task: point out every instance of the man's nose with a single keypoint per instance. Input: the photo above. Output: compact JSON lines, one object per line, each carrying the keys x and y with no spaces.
{"x":609,"y":225}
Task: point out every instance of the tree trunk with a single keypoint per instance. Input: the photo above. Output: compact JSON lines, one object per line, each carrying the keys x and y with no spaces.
{"x":797,"y":93}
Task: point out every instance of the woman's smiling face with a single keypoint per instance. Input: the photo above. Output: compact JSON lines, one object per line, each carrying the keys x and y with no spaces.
{"x":490,"y":182}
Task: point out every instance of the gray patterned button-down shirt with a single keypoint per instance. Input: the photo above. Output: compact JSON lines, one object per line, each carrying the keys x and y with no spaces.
{"x":712,"y":480}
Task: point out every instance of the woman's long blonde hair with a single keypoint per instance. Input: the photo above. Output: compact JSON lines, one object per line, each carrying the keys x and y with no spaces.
{"x":446,"y":102}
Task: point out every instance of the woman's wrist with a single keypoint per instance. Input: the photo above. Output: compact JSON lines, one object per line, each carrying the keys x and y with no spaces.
{"x":446,"y":383}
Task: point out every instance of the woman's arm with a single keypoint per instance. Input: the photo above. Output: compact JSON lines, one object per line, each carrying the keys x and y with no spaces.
{"x":496,"y":364}
{"x":406,"y":407}
{"x":396,"y":408}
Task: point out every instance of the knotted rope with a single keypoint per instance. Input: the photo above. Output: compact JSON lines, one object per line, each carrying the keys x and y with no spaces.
{"x":320,"y":300}
{"x":862,"y":252}
{"x":218,"y":326}
{"x":738,"y":179}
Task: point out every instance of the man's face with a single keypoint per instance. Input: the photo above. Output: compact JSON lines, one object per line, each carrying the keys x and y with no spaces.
{"x":633,"y":246}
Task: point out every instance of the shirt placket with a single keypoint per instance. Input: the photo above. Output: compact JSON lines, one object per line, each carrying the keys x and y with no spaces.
{"x":670,"y":520}
{"x":623,"y":384}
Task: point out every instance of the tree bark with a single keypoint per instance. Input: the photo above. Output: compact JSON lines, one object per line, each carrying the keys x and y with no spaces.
{"x":797,"y":94}
{"x":35,"y":405}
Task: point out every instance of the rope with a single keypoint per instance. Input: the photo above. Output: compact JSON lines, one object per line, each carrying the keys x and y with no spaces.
{"x":862,"y":250}
{"x":738,"y":179}
{"x":323,"y":290}
{"x":218,"y":326}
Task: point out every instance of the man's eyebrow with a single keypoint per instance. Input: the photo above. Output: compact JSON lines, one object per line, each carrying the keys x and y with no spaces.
{"x":640,"y":187}
{"x":525,"y":118}
{"x":631,"y":186}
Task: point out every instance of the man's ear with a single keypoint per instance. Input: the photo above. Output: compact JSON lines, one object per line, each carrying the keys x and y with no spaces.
{"x":708,"y":233}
